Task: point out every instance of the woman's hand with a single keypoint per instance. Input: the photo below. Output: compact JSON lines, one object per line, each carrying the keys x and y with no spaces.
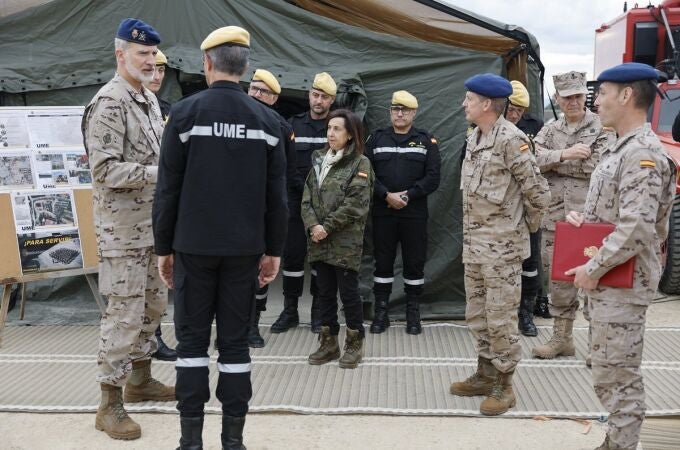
{"x":318,"y":233}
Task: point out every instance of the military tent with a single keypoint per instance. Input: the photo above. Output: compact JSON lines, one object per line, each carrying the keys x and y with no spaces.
{"x":61,"y":52}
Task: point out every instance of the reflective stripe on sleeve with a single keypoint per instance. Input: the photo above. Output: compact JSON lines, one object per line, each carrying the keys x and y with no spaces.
{"x":533,"y":273}
{"x":192,"y":362}
{"x":260,"y":296}
{"x":233,"y":368}
{"x":414,"y":282}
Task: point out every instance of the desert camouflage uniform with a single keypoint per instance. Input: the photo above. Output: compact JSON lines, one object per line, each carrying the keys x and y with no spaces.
{"x":122,"y":129}
{"x":633,"y":188}
{"x":504,"y":196}
{"x":568,"y":181}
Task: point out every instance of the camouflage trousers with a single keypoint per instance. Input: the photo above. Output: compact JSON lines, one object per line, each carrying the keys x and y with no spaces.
{"x":564,"y":297}
{"x":136,"y":300}
{"x":616,"y":357}
{"x":493,"y":295}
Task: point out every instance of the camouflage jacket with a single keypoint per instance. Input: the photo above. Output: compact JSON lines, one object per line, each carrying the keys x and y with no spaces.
{"x":122,"y":130}
{"x":633,"y":188}
{"x":504,"y":195}
{"x":568,"y":180}
{"x":341,"y":205}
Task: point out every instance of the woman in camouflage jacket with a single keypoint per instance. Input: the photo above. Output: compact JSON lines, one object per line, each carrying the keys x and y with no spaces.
{"x":335,"y":207}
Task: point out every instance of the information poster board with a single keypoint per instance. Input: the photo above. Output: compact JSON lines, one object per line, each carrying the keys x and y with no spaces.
{"x":46,"y":219}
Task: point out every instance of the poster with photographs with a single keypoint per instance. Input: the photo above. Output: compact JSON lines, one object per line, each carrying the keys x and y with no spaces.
{"x":13,"y":129}
{"x":60,"y":168}
{"x":43,"y":210}
{"x":42,"y":252}
{"x":55,"y":127}
{"x":16,"y":171}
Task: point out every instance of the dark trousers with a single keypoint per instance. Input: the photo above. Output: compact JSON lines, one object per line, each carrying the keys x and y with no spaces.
{"x":388,"y":232}
{"x":294,"y":258}
{"x":531,"y":274}
{"x":330,"y":279}
{"x":207,"y":288}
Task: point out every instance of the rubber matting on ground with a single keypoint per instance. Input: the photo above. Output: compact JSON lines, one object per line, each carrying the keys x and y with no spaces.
{"x":52,"y":369}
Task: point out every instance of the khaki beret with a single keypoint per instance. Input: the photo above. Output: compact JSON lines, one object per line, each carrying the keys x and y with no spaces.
{"x":160,"y":58}
{"x":324,"y":82}
{"x":404,"y":98}
{"x":231,"y":35}
{"x":520,"y":95}
{"x":267,"y":78}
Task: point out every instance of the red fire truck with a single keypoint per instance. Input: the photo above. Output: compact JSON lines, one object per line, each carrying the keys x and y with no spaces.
{"x":651,"y":35}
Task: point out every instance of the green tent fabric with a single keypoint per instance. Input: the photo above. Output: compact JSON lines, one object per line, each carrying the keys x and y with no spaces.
{"x":61,"y":52}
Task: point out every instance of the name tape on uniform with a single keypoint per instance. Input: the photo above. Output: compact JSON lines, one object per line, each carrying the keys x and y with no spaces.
{"x":228,"y":130}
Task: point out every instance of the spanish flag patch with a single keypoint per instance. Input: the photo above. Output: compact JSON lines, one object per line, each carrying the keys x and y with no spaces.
{"x":524,"y":147}
{"x":434,"y":141}
{"x":647,"y":163}
{"x":362,"y":174}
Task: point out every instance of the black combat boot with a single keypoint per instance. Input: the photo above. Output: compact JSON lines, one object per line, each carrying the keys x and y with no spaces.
{"x":316,"y":315}
{"x":526,"y":316}
{"x":289,"y":316}
{"x":192,"y":433}
{"x":164,"y":353}
{"x":381,"y":319}
{"x":232,"y":433}
{"x":541,"y":308}
{"x":254,"y":338}
{"x":413,"y":315}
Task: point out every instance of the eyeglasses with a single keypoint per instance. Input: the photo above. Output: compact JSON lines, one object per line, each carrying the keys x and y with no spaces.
{"x":261,"y":91}
{"x":400,"y":109}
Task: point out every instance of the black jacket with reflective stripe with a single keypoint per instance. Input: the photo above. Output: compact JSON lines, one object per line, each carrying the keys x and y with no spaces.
{"x":221,"y":179}
{"x":404,"y":162}
{"x":310,"y":135}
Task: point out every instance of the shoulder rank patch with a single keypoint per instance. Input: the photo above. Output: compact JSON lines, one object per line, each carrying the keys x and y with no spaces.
{"x":524,"y":147}
{"x":362,"y":174}
{"x":434,"y":141}
{"x":647,"y":163}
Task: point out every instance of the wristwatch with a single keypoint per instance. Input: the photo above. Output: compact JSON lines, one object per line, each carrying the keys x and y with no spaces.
{"x":404,"y":197}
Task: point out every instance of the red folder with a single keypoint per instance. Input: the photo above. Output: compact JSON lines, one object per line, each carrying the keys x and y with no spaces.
{"x":576,"y":246}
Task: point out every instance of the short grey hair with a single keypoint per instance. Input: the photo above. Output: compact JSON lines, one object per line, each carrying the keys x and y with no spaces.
{"x":498,"y":105}
{"x":120,"y":44}
{"x":229,"y":59}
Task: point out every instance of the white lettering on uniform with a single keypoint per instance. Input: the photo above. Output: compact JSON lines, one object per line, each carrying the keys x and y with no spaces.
{"x":229,"y":130}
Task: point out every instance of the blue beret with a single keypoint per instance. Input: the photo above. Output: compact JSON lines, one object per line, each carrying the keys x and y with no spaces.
{"x":489,"y":85}
{"x":627,"y":72}
{"x":134,"y":30}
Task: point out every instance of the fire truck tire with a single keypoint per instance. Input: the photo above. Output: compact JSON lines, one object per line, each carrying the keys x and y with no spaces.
{"x":670,"y":279}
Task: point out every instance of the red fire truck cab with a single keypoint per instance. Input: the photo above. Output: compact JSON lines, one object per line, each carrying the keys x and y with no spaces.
{"x":651,"y":35}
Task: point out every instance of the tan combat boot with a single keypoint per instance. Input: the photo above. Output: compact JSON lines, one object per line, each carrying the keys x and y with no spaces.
{"x":501,"y":398}
{"x":328,"y":348}
{"x":112,"y":417}
{"x":560,"y":343}
{"x":480,"y":383}
{"x":142,"y":386}
{"x":354,"y":350}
